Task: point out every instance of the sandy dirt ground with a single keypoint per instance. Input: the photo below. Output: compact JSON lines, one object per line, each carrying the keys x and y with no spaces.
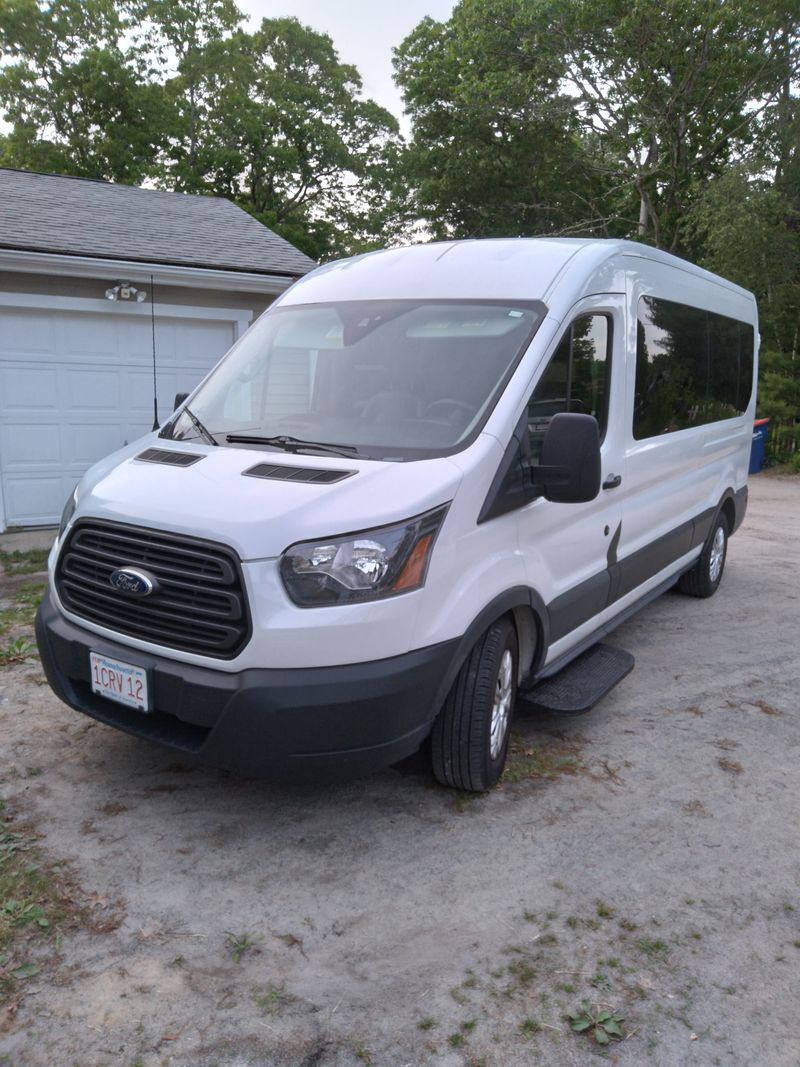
{"x":643,"y":858}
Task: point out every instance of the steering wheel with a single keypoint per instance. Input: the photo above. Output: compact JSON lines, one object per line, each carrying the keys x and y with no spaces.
{"x":448,"y":403}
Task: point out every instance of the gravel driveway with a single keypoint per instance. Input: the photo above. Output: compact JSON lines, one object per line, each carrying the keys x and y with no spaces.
{"x":642,"y":859}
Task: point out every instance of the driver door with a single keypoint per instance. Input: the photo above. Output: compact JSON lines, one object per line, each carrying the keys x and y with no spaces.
{"x":569,"y":549}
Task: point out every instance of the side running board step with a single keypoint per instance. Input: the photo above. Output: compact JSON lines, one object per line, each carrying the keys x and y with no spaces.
{"x":581,"y":684}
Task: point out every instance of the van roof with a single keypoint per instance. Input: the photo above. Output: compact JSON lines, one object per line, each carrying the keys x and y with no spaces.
{"x":512,"y":268}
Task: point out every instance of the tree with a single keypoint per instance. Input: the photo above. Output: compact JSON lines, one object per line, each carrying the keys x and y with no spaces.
{"x":607,"y":115}
{"x":285,"y":134}
{"x":677,"y":90}
{"x":750,"y":232}
{"x":176,"y":92}
{"x":73,"y":94}
{"x":180,"y":33}
{"x":495,"y":147}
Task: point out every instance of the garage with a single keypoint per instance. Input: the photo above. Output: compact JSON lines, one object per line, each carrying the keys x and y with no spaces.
{"x":77,"y":383}
{"x":112,"y":297}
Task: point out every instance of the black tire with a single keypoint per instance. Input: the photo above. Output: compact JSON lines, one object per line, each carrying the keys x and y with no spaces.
{"x":461,"y":742}
{"x":704,"y":577}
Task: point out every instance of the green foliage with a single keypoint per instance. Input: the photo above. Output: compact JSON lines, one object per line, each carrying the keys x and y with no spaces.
{"x":30,"y":561}
{"x":590,"y":116}
{"x":239,"y":944}
{"x":673,"y":121}
{"x":33,"y":904}
{"x":178,"y":93}
{"x":495,"y":148}
{"x":16,"y":650}
{"x":74,"y":93}
{"x":281,"y":130}
{"x":601,"y":1023}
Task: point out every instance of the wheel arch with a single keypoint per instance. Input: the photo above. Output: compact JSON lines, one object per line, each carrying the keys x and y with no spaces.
{"x":727,"y":507}
{"x":529,"y":615}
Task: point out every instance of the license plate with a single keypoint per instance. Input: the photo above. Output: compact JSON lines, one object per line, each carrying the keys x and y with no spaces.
{"x":121,"y":682}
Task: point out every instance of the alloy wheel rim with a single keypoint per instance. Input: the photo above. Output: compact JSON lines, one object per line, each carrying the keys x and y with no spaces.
{"x":501,"y":710}
{"x":717,"y":554}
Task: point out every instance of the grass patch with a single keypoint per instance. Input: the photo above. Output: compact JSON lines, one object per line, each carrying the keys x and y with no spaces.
{"x":239,"y":944}
{"x":522,"y":972}
{"x":32,"y":561}
{"x":271,"y":1000}
{"x":653,"y":948}
{"x":530,"y":1026}
{"x":16,"y":650}
{"x":16,"y":622}
{"x":550,"y":759}
{"x":35,"y":902}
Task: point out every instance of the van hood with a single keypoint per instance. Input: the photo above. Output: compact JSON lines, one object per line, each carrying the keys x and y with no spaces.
{"x":259,"y":517}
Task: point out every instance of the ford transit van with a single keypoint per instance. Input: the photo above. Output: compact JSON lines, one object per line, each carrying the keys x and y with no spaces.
{"x":423,"y":479}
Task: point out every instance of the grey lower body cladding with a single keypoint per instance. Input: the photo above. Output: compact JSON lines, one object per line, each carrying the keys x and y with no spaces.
{"x":314,"y":723}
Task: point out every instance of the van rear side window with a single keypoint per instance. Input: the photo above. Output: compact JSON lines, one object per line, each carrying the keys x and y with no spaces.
{"x":692,"y":367}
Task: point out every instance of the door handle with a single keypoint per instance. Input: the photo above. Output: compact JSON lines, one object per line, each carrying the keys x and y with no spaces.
{"x":612,"y":481}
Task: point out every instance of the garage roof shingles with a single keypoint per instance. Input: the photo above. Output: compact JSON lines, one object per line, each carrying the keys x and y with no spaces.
{"x":80,"y":217}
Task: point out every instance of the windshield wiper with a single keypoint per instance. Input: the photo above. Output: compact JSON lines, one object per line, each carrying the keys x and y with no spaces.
{"x":291,"y":444}
{"x":200,"y":427}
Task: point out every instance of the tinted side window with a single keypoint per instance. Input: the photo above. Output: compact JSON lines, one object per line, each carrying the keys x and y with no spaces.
{"x":575,"y":379}
{"x":692,"y":367}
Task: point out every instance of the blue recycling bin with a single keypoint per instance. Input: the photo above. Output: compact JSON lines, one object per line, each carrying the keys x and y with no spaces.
{"x":757,"y":449}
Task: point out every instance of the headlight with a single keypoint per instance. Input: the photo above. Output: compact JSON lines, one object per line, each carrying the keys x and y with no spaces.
{"x":68,"y":512}
{"x":363,"y":566}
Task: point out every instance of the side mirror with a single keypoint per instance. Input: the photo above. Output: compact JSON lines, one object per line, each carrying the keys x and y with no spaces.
{"x":569,"y":472}
{"x":179,"y":399}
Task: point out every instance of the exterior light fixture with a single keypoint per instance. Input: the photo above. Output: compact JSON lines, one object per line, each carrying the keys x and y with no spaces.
{"x":126,"y":291}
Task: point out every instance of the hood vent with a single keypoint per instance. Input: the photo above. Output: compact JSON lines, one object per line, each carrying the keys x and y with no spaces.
{"x":282,"y":473}
{"x":168,"y":457}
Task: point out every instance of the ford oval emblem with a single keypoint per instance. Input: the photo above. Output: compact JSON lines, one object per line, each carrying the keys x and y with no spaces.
{"x":136,"y":583}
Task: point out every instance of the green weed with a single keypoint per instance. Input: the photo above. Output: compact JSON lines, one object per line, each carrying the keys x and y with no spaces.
{"x":31,"y":561}
{"x":238,"y":944}
{"x":16,"y":650}
{"x":603,"y":1025}
{"x":528,"y":1027}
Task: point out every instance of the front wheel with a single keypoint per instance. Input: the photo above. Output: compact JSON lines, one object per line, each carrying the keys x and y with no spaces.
{"x":470,"y":736}
{"x":704,"y":577}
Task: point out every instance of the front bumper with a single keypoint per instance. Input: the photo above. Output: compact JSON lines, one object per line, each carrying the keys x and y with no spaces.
{"x":297,"y":724}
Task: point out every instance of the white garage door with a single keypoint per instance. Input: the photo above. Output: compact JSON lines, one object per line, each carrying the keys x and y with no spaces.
{"x":76,"y":382}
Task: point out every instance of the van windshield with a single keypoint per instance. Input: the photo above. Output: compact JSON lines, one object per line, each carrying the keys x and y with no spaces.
{"x":392,"y":380}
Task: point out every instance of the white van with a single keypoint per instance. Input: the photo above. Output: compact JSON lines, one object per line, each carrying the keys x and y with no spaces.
{"x":424,"y":478}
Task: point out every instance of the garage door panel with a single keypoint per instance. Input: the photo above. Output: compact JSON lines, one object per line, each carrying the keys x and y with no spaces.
{"x":24,"y":446}
{"x":91,"y":389}
{"x":137,"y":392}
{"x":84,"y":444}
{"x":201,"y":340}
{"x":33,"y":500}
{"x":26,"y":332}
{"x":135,"y":338}
{"x":84,"y":334}
{"x":28,"y":388}
{"x":77,"y":385}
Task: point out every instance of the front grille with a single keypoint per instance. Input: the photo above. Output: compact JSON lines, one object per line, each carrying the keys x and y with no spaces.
{"x":199,"y":604}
